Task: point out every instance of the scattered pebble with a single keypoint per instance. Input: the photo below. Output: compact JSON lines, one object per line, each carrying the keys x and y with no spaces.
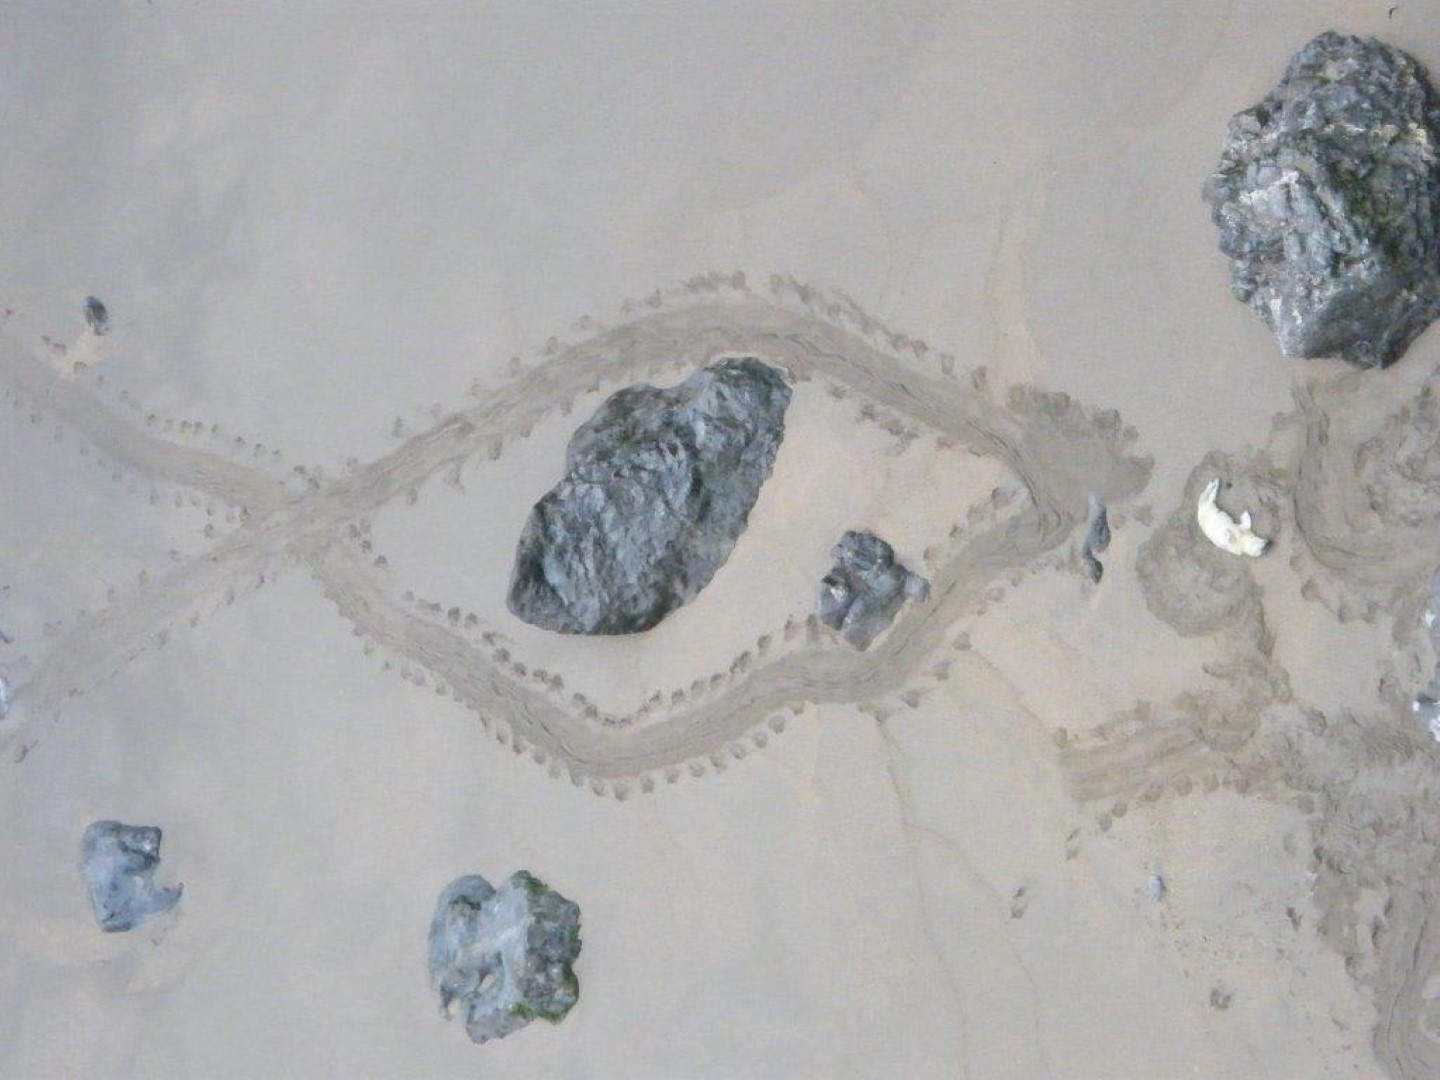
{"x":1156,"y":888}
{"x":96,"y":317}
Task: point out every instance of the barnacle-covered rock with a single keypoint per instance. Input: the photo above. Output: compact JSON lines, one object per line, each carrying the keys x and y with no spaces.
{"x":119,"y":864}
{"x":503,"y":957}
{"x":1327,"y":198}
{"x":658,"y":486}
{"x":865,"y":589}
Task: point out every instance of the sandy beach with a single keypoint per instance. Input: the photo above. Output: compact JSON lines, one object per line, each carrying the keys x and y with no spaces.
{"x":367,"y":268}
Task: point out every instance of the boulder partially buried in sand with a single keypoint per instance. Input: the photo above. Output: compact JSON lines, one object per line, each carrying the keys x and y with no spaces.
{"x":119,"y":864}
{"x":658,"y":486}
{"x":1327,"y":197}
{"x":503,"y":957}
{"x":865,"y":589}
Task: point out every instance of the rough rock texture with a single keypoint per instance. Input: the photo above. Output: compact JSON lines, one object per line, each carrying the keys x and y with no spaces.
{"x":1326,"y":197}
{"x":119,"y":864}
{"x":504,"y":955}
{"x":658,"y":486}
{"x":864,"y":590}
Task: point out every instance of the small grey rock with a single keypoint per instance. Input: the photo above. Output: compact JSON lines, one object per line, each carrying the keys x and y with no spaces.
{"x":1097,"y":539}
{"x":1155,"y":887}
{"x":1427,"y":711}
{"x":119,"y":864}
{"x":865,"y":589}
{"x":96,"y":317}
{"x":1426,"y":704}
{"x":658,"y":487}
{"x":1327,"y":198}
{"x":503,"y":956}
{"x":1430,"y":616}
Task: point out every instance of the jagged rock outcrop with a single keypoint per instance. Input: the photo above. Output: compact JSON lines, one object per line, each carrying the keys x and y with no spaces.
{"x":865,"y":589}
{"x":658,"y":486}
{"x":503,"y":957}
{"x":1327,"y":198}
{"x":119,"y":864}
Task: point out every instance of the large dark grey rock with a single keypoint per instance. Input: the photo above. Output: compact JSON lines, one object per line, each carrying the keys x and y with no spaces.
{"x":865,"y":589}
{"x":1327,"y":197}
{"x":504,"y":955}
{"x":119,"y":864}
{"x":658,"y":486}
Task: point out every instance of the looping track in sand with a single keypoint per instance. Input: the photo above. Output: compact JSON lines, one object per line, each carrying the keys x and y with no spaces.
{"x":1057,"y":451}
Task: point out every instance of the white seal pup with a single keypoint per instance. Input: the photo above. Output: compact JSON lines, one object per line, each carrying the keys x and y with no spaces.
{"x":1224,"y":531}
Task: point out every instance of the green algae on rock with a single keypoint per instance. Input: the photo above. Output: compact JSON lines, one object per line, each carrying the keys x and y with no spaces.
{"x":503,"y":956}
{"x":1327,"y":197}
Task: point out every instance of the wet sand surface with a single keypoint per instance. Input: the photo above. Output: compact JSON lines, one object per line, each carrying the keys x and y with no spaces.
{"x":1179,"y":822}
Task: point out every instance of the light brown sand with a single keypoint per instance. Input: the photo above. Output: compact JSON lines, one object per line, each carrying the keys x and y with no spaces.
{"x":235,"y":520}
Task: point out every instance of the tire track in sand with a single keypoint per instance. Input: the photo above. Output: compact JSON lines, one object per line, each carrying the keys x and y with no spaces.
{"x":1057,"y":450}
